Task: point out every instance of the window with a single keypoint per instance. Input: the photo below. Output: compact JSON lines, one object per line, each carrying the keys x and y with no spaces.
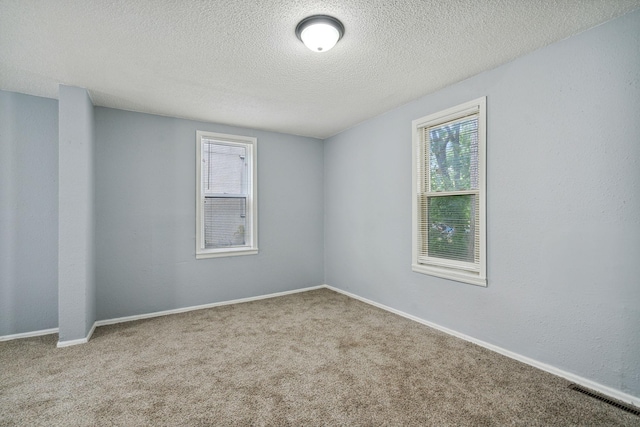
{"x":449,"y":200}
{"x":226,"y":211}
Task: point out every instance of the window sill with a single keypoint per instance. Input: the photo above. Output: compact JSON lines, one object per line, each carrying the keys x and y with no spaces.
{"x":227,"y":252}
{"x":451,"y":274}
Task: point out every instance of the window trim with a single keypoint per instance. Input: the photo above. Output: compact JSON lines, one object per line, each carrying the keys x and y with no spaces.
{"x":251,"y":144}
{"x":450,"y":269}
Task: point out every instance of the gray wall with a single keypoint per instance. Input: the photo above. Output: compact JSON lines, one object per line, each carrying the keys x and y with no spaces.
{"x":76,"y":222}
{"x":145,"y":217}
{"x":563,"y":203}
{"x":28,"y":213}
{"x":563,"y":209}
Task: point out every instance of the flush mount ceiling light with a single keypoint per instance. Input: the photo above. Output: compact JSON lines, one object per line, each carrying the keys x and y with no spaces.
{"x":320,"y":32}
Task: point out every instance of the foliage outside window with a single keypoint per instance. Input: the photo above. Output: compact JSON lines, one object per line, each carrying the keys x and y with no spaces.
{"x":226,"y":211}
{"x":449,"y":152}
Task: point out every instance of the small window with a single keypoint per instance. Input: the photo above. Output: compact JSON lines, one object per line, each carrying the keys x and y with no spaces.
{"x":449,"y":200}
{"x":226,"y":211}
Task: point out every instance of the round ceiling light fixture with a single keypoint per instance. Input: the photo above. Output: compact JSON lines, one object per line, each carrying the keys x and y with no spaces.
{"x":320,"y":32}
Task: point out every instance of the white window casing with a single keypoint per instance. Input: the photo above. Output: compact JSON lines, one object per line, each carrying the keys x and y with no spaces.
{"x":449,"y":193}
{"x":226,"y":195}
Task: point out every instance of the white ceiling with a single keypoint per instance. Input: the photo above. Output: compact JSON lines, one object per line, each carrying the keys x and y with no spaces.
{"x":240,"y":63}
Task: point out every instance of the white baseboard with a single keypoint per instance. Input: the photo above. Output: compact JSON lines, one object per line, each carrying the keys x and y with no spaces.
{"x":611,"y":392}
{"x":29,"y":334}
{"x":69,"y":343}
{"x":78,"y":341}
{"x":201,"y":307}
{"x":148,"y":316}
{"x":616,"y":394}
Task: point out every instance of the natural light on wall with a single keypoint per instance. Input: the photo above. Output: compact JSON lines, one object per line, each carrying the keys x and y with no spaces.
{"x":320,"y":32}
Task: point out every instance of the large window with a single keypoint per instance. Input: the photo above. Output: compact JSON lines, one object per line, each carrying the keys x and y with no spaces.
{"x":449,"y":200}
{"x":226,"y":211}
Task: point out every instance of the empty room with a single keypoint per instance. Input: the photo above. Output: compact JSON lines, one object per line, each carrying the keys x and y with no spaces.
{"x":312,"y":212}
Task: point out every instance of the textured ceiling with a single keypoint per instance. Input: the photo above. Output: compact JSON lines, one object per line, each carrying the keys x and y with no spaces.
{"x":240,"y":63}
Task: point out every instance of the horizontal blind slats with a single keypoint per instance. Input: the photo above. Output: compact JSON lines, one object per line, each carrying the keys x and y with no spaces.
{"x":225,"y":195}
{"x":448,"y":200}
{"x":224,"y":169}
{"x":225,"y":222}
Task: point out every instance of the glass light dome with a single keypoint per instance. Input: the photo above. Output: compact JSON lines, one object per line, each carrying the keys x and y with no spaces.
{"x":320,"y":32}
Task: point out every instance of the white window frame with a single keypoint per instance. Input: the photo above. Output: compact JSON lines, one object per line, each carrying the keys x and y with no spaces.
{"x":251,"y":145}
{"x":451,"y":269}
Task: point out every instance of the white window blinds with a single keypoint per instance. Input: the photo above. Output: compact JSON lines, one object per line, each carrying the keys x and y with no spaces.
{"x":449,"y":196}
{"x":224,"y":175}
{"x":449,"y":215}
{"x":226,"y":215}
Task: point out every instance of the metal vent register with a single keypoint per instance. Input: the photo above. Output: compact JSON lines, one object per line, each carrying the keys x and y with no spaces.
{"x":628,"y":408}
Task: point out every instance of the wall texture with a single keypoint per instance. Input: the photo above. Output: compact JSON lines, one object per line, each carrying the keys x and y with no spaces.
{"x":28,"y":213}
{"x":76,"y":222}
{"x":563,"y":202}
{"x":145,"y":217}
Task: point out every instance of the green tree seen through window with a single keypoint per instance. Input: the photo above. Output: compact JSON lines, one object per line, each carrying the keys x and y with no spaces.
{"x":453,"y":149}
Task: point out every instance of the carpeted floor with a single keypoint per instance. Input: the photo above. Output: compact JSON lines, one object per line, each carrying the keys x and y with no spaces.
{"x":313,"y":358}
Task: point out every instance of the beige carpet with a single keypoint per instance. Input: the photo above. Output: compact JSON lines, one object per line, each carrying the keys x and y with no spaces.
{"x":314,"y":358}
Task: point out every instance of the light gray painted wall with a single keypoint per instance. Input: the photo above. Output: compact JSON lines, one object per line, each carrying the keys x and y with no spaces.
{"x":145,"y":213}
{"x":28,"y":213}
{"x":563,"y":209}
{"x":76,"y":267}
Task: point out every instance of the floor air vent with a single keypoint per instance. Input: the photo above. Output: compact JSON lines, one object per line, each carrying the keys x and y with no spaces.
{"x":620,"y":405}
